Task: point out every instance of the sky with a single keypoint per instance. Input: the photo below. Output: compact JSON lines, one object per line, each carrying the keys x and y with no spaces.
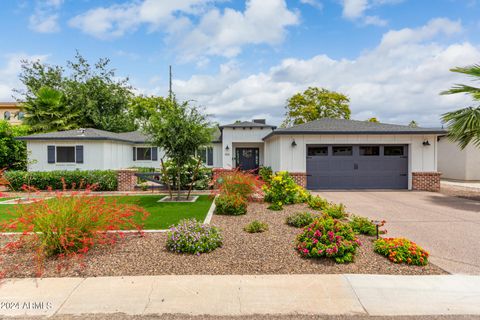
{"x":241,"y":60}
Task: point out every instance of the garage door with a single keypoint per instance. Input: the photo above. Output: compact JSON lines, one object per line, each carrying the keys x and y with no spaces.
{"x":357,"y":166}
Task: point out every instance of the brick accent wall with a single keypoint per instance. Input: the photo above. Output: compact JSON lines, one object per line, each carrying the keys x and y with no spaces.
{"x":300,"y":178}
{"x":126,"y":179}
{"x":426,"y":181}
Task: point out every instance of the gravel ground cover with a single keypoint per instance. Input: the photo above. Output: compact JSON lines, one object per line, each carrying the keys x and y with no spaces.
{"x":270,"y":252}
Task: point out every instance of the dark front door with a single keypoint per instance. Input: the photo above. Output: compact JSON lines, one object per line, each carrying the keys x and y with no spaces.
{"x":247,"y":158}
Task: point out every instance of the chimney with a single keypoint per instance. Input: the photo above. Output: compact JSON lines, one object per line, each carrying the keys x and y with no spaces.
{"x":261,"y":121}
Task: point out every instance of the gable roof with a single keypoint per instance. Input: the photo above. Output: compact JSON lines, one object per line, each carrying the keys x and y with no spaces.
{"x":342,"y":126}
{"x":247,"y":124}
{"x":89,"y":134}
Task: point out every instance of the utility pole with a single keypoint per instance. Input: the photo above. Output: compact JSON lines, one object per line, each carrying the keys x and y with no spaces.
{"x":170,"y":93}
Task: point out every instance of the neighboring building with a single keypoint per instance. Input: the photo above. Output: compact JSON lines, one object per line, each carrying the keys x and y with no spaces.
{"x":11,"y":112}
{"x":458,"y":164}
{"x":322,"y":154}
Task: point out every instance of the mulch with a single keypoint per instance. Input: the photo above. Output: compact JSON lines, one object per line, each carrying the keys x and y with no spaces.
{"x":271,"y":252}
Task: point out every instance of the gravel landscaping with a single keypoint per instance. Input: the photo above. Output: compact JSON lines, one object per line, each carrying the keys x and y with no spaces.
{"x":270,"y":252}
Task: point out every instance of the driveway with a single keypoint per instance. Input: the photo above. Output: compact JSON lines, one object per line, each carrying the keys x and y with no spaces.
{"x":448,"y":227}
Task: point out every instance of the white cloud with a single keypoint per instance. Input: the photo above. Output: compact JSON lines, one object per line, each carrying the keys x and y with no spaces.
{"x":375,"y":21}
{"x":45,"y":16}
{"x":212,"y":32}
{"x":314,"y":3}
{"x":394,"y":83}
{"x":356,"y":10}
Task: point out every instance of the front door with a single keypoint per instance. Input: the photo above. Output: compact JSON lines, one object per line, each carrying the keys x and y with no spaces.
{"x":247,"y":158}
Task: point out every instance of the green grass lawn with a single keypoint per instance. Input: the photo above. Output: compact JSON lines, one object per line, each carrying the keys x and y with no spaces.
{"x":8,"y":198}
{"x":162,"y":214}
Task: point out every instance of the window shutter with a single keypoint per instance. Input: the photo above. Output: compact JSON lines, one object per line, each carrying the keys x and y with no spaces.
{"x":154,"y":154}
{"x":209,"y":156}
{"x":134,"y":154}
{"x":79,"y":154}
{"x":51,"y":154}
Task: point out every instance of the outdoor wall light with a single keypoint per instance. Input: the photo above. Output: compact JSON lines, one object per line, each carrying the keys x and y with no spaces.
{"x":227,"y":148}
{"x":426,"y":143}
{"x":294,"y":144}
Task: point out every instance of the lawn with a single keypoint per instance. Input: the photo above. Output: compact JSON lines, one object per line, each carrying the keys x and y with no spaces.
{"x":162,"y":214}
{"x":5,"y":199}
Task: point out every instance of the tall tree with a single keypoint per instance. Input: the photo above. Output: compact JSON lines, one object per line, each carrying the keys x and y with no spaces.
{"x":413,"y":124}
{"x":179,"y":130}
{"x":95,"y":95}
{"x":316,"y":103}
{"x":464,"y":124}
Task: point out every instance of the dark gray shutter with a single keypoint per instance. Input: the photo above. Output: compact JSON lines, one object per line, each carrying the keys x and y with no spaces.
{"x":154,"y":154}
{"x":209,"y":156}
{"x":51,"y":154}
{"x":134,"y":154}
{"x":79,"y":154}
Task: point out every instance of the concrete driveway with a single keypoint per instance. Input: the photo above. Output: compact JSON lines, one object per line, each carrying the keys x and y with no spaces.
{"x":448,"y":227}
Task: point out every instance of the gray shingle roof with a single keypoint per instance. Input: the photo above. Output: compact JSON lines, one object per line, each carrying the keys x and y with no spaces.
{"x":342,"y":126}
{"x":89,"y":134}
{"x":247,"y":124}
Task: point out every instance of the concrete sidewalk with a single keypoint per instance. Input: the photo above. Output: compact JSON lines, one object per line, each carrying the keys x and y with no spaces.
{"x":243,"y":295}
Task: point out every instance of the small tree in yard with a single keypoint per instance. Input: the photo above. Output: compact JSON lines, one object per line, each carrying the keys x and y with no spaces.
{"x":179,"y":130}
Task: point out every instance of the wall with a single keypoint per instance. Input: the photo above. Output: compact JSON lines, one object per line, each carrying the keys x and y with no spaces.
{"x":458,"y":164}
{"x":13,"y":110}
{"x":217,"y":155}
{"x":272,"y":153}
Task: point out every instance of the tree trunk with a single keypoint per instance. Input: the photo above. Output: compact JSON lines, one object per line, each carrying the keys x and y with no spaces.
{"x":194,"y":177}
{"x":178,"y":181}
{"x":166,"y":180}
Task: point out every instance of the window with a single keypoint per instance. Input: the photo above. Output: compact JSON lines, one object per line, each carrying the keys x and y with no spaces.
{"x":369,"y":150}
{"x":144,"y":154}
{"x":20,"y":115}
{"x":342,"y":151}
{"x":317,"y":151}
{"x":393,"y":150}
{"x":206,"y":154}
{"x":7,"y":115}
{"x":66,"y":154}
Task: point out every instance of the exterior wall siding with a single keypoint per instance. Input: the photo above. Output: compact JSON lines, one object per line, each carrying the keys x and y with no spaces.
{"x":458,"y":164}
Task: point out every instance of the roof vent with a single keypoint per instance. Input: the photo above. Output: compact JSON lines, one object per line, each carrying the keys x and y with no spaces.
{"x":81,"y":131}
{"x":261,"y":121}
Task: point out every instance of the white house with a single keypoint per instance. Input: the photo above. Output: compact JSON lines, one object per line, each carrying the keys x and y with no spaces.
{"x":458,"y":164}
{"x":322,"y":154}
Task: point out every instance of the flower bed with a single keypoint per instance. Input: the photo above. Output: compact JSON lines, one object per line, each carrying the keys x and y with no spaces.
{"x":191,"y":236}
{"x":401,"y":250}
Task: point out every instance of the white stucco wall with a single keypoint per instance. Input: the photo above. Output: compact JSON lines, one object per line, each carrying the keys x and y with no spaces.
{"x":458,"y":164}
{"x":293,"y":159}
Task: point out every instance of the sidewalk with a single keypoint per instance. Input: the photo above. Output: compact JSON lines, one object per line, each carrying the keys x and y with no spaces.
{"x":243,"y":295}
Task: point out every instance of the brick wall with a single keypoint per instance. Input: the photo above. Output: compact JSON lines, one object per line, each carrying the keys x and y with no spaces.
{"x":300,"y":178}
{"x":426,"y":181}
{"x":126,"y":179}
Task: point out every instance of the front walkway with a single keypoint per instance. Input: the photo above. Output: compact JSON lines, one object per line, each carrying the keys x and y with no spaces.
{"x":243,"y":295}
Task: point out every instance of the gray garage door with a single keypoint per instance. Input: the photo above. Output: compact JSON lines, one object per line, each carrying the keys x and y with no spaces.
{"x":357,"y":166}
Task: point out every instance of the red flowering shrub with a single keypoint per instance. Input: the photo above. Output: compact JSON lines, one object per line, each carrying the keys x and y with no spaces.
{"x":68,"y":225}
{"x":326,"y":237}
{"x":242,"y":183}
{"x":401,"y":250}
{"x":230,"y":204}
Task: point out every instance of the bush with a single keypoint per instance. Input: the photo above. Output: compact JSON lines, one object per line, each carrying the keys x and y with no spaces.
{"x":70,"y":225}
{"x":400,"y":250}
{"x":300,"y":219}
{"x":202,"y":181}
{"x":336,"y":211}
{"x":13,"y":153}
{"x":328,"y":238}
{"x":230,"y":204}
{"x":105,"y":180}
{"x":239,"y":183}
{"x":283,"y":190}
{"x":266,"y":174}
{"x":191,"y":236}
{"x":256,"y":226}
{"x":317,"y":203}
{"x":365,"y":226}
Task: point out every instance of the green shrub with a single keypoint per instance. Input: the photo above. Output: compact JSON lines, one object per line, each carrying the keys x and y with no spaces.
{"x":275,"y":207}
{"x":256,"y":226}
{"x":300,"y":219}
{"x":283,"y":190}
{"x":191,"y":236}
{"x":266,"y":174}
{"x":317,"y":203}
{"x":329,"y":238}
{"x":230,"y":204}
{"x":401,"y":250}
{"x":106,"y":180}
{"x":363,"y":225}
{"x":336,"y":211}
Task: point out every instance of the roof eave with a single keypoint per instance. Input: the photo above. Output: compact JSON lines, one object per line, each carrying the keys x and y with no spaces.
{"x":437,"y":132}
{"x":77,"y":138}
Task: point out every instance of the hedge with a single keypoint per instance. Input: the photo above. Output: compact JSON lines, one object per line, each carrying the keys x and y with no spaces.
{"x":106,"y":180}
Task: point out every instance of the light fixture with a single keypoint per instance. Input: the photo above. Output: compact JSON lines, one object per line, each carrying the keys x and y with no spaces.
{"x":227,"y":148}
{"x":426,"y":143}
{"x":294,"y":144}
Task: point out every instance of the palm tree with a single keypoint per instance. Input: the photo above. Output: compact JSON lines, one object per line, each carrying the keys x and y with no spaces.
{"x":49,"y":112}
{"x":464,"y":124}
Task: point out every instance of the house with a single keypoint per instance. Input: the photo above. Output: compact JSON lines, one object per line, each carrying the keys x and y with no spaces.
{"x":11,"y":112}
{"x":458,"y":164}
{"x":322,"y":154}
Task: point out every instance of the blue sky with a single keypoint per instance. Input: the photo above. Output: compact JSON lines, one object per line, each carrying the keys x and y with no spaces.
{"x":243,"y":59}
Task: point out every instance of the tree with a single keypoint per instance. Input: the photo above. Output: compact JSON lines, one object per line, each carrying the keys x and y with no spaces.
{"x":179,"y":130}
{"x":13,"y":153}
{"x":464,"y":124}
{"x":143,"y":107}
{"x":316,"y":103}
{"x":413,"y":124}
{"x":89,"y":96}
{"x":374,"y":119}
